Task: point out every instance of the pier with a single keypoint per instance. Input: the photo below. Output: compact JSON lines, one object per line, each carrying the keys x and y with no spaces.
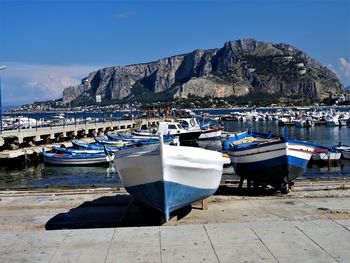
{"x":55,"y":133}
{"x":21,"y":143}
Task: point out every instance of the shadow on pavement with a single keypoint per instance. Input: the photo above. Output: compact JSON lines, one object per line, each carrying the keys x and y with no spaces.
{"x":233,"y":190}
{"x":107,"y":212}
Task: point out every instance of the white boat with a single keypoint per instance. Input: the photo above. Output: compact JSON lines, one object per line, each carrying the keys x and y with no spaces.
{"x":344,"y":150}
{"x":346,"y":154}
{"x":169,"y":177}
{"x":326,"y":155}
{"x":191,"y":124}
{"x":174,"y":129}
{"x":211,"y":134}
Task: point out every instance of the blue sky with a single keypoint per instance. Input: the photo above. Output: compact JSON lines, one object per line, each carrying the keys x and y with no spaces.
{"x":48,"y":45}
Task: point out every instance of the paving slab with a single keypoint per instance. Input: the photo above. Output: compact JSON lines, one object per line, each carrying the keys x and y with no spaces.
{"x":269,"y":241}
{"x":330,"y":236}
{"x":90,"y":245}
{"x":135,"y":244}
{"x":287,"y":243}
{"x":345,"y":223}
{"x":7,"y":239}
{"x":236,"y":242}
{"x":34,"y":247}
{"x":186,"y":244}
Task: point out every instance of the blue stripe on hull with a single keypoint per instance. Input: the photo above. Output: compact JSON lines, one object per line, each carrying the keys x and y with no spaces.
{"x":168,"y":196}
{"x":210,"y":139}
{"x":273,"y":171}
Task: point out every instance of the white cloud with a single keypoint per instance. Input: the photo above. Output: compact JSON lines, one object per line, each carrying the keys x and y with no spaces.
{"x":25,"y":83}
{"x":344,"y":67}
{"x":122,"y":15}
{"x":331,"y":67}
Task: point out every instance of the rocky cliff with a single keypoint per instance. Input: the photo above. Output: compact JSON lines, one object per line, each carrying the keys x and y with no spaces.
{"x":235,"y":69}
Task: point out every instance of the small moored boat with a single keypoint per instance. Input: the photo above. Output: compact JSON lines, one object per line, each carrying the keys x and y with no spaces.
{"x":76,"y":158}
{"x":325,"y":154}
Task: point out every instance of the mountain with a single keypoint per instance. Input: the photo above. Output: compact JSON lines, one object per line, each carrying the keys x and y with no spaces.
{"x":348,"y":88}
{"x":239,"y":67}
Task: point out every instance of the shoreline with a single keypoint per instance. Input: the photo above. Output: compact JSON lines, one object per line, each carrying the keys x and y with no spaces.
{"x":38,"y":210}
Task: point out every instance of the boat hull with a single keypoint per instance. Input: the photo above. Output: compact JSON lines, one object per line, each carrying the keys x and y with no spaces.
{"x":326,"y":156}
{"x":273,"y":163}
{"x":346,"y":155}
{"x":170,"y":177}
{"x":213,"y":134}
{"x":188,"y":136}
{"x":68,"y":159}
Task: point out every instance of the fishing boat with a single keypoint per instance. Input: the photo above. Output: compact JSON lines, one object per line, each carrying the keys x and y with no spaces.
{"x":76,"y":158}
{"x":172,"y":129}
{"x":346,"y":154}
{"x":343,"y":149}
{"x":268,"y":159}
{"x":57,"y":149}
{"x":169,"y":177}
{"x":208,"y":133}
{"x":119,"y":143}
{"x":132,"y":136}
{"x":325,"y":154}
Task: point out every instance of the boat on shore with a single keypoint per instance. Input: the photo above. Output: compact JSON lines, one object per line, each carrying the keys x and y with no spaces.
{"x":169,"y":177}
{"x":268,"y":159}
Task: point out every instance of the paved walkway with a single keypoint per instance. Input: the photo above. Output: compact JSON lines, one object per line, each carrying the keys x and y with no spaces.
{"x":269,"y":241}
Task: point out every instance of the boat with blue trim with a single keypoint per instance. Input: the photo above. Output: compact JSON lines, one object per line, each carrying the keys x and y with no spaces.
{"x":73,"y":158}
{"x":169,"y":177}
{"x":268,"y":159}
{"x":325,"y":154}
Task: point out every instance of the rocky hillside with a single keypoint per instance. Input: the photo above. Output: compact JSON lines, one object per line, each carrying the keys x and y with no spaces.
{"x":235,"y":69}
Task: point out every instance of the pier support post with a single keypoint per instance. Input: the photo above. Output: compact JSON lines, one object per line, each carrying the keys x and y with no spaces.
{"x":20,"y":139}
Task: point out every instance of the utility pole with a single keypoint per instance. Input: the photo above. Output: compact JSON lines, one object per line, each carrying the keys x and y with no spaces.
{"x":1,"y":68}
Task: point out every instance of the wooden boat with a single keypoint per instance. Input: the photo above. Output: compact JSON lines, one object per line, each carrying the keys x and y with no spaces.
{"x":96,"y":146}
{"x":169,"y":177}
{"x":76,"y":158}
{"x":346,"y":154}
{"x":119,"y":143}
{"x":211,"y":134}
{"x":172,"y":129}
{"x":57,"y":149}
{"x":343,"y":149}
{"x":326,"y":154}
{"x":191,"y":124}
{"x":267,"y":159}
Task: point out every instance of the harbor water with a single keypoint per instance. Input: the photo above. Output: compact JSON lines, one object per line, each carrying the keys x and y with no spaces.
{"x":44,"y":176}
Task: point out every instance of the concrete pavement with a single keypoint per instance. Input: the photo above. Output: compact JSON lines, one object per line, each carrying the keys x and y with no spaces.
{"x":263,"y":241}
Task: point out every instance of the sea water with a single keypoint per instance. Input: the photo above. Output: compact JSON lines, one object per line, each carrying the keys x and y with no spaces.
{"x":44,"y":176}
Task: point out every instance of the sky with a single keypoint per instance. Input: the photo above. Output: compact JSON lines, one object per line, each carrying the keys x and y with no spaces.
{"x":49,"y":45}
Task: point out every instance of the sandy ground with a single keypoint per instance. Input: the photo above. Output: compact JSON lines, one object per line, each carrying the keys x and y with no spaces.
{"x":104,"y":207}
